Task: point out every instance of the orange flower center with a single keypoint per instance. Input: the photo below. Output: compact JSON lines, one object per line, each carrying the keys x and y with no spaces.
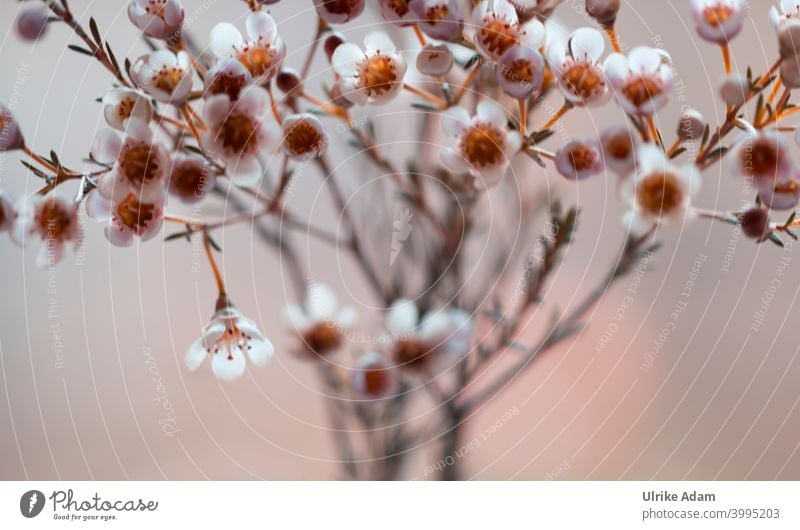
{"x":224,"y":83}
{"x":378,"y":75}
{"x":156,"y":8}
{"x":763,"y":158}
{"x":139,"y":164}
{"x":642,"y":90}
{"x":303,"y":138}
{"x":582,"y":157}
{"x":53,"y":221}
{"x":717,"y":15}
{"x":238,"y":133}
{"x":168,"y":79}
{"x":377,"y":381}
{"x":134,"y":214}
{"x":258,"y":61}
{"x":322,"y":338}
{"x":436,"y":14}
{"x":519,"y":71}
{"x":619,"y":147}
{"x":125,"y":108}
{"x":498,"y":36}
{"x":189,"y":179}
{"x":483,"y":145}
{"x":787,"y":187}
{"x":411,"y":353}
{"x":400,"y":7}
{"x":583,"y":80}
{"x":659,"y":193}
{"x":340,"y":7}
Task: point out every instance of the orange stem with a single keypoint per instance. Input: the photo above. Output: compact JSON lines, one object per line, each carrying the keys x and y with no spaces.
{"x":424,"y":94}
{"x":214,"y":267}
{"x":420,"y":35}
{"x":558,"y":115}
{"x":467,"y":82}
{"x":523,"y":116}
{"x":726,"y":58}
{"x":611,"y":31}
{"x":187,"y":115}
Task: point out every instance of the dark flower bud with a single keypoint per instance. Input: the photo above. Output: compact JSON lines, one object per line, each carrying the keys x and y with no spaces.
{"x":32,"y":23}
{"x":604,"y":11}
{"x":289,"y":82}
{"x":691,"y":125}
{"x":754,"y":222}
{"x":332,"y":42}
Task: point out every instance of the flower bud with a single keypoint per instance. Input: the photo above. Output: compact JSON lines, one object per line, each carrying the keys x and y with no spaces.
{"x":332,"y":42}
{"x":734,"y":90}
{"x":10,"y":135}
{"x":604,"y":11}
{"x":789,"y":38}
{"x":790,"y":72}
{"x":339,"y":11}
{"x":338,"y":98}
{"x":7,"y":212}
{"x":158,"y":19}
{"x":754,"y":222}
{"x":289,"y":82}
{"x":691,"y":125}
{"x":32,"y":23}
{"x":579,"y":158}
{"x":435,"y":60}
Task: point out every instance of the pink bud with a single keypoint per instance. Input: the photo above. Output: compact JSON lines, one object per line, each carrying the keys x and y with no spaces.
{"x":32,"y":23}
{"x":604,"y":11}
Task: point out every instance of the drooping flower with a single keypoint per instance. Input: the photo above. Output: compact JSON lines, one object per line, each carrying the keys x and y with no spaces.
{"x":122,"y":104}
{"x":521,"y":72}
{"x":374,"y":76}
{"x":660,"y":191}
{"x":438,"y":19}
{"x":165,"y":75}
{"x":420,"y":343}
{"x":374,"y":377}
{"x":579,"y":158}
{"x":339,"y":11}
{"x":484,"y":145}
{"x":230,"y":340}
{"x":191,"y":177}
{"x":228,"y":77}
{"x":789,"y":11}
{"x":603,"y":11}
{"x":140,"y":164}
{"x":158,"y":19}
{"x":127,"y":218}
{"x":262,"y":54}
{"x":763,"y":157}
{"x":238,"y":131}
{"x":718,"y":21}
{"x":7,"y":212}
{"x":320,"y":322}
{"x":498,"y":28}
{"x":577,"y":67}
{"x":11,"y":137}
{"x":435,"y":60}
{"x":642,"y":80}
{"x":619,"y":150}
{"x":49,"y":220}
{"x":303,"y":136}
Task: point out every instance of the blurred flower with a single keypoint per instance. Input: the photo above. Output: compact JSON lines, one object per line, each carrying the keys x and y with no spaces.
{"x":435,"y":60}
{"x":303,"y":136}
{"x":483,"y":144}
{"x":191,"y":177}
{"x":619,"y":150}
{"x":238,"y":132}
{"x":579,"y":158}
{"x":127,"y":218}
{"x":580,"y":77}
{"x":226,"y":340}
{"x":603,"y":11}
{"x":789,"y":10}
{"x":374,"y":377}
{"x":122,"y":104}
{"x":339,"y":11}
{"x":139,"y":163}
{"x":642,"y":80}
{"x":164,"y":75}
{"x":755,"y":222}
{"x":734,"y":90}
{"x":32,"y":23}
{"x":691,"y":125}
{"x":372,"y":76}
{"x":498,"y":28}
{"x":790,"y":71}
{"x":660,"y":191}
{"x":783,"y":195}
{"x":763,"y":158}
{"x":7,"y":212}
{"x":11,"y":137}
{"x":50,"y":220}
{"x":320,"y":322}
{"x":417,"y":343}
{"x":396,"y":11}
{"x":228,"y":77}
{"x":521,"y":72}
{"x":262,"y":54}
{"x":439,"y":19}
{"x":159,"y":19}
{"x":718,"y":21}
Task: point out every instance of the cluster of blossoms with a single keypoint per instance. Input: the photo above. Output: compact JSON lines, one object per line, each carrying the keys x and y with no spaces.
{"x":183,"y":124}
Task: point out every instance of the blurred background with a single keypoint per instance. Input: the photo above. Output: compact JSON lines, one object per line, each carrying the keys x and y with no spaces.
{"x":688,"y":371}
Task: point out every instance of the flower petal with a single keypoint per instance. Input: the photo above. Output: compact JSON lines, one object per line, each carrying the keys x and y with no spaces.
{"x":321,"y":302}
{"x":228,"y":367}
{"x":195,"y":355}
{"x":402,"y":316}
